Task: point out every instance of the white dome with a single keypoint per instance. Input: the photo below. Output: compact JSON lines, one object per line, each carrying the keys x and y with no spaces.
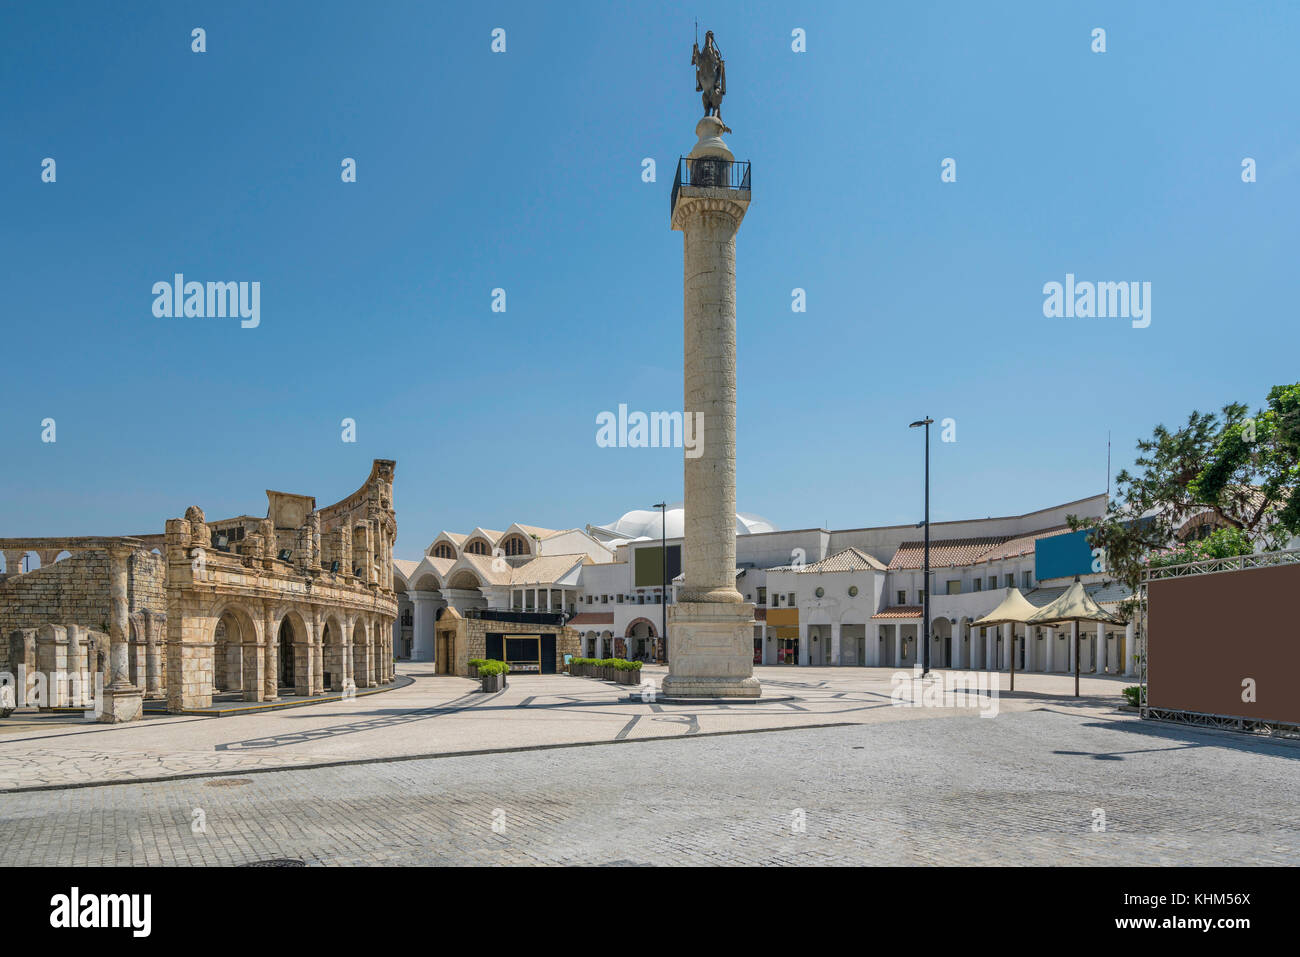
{"x":646,"y":523}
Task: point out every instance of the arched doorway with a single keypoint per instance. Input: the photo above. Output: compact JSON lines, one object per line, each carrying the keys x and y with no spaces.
{"x":641,"y":639}
{"x":332,"y":643}
{"x":287,"y":640}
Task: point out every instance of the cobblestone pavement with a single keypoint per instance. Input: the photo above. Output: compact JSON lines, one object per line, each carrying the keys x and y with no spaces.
{"x":443,"y":715}
{"x":1024,"y":788}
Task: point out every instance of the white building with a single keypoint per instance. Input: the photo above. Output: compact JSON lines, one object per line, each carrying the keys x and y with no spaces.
{"x":850,"y":597}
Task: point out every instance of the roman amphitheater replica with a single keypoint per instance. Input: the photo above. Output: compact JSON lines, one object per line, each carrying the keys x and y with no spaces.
{"x":258,"y":609}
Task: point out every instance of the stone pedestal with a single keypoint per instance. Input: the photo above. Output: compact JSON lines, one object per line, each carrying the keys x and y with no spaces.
{"x":712,"y":651}
{"x":711,"y":628}
{"x":121,"y":704}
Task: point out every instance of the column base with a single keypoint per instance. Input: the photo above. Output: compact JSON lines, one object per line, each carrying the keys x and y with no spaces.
{"x":711,"y":651}
{"x":121,"y":704}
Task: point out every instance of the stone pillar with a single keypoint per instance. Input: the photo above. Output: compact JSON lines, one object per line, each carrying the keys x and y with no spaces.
{"x":122,"y":700}
{"x":13,"y":562}
{"x":318,"y":652}
{"x":271,"y":657}
{"x":313,"y":545}
{"x":1100,"y":664}
{"x":153,"y":664}
{"x":363,"y":656}
{"x":711,"y":627}
{"x":52,"y":663}
{"x":835,"y":643}
{"x":422,"y":643}
{"x":304,"y":664}
{"x":1049,"y":654}
{"x":990,"y":647}
{"x":805,"y":652}
{"x":1130,"y":666}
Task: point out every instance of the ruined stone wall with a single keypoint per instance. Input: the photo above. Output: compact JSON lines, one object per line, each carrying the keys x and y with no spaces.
{"x":71,"y":591}
{"x":74,"y":591}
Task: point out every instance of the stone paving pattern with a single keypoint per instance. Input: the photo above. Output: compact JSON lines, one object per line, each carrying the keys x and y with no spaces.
{"x":445,"y":714}
{"x":961,"y":790}
{"x":896,"y":786}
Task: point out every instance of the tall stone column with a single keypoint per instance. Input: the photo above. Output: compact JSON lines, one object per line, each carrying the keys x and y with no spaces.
{"x":271,"y":665}
{"x":122,"y":700}
{"x":153,"y":665}
{"x":711,"y":626}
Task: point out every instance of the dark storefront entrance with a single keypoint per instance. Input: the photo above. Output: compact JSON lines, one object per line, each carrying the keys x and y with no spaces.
{"x":526,"y":654}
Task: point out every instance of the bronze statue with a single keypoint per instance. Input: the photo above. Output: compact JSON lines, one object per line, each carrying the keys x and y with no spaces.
{"x":710,"y":75}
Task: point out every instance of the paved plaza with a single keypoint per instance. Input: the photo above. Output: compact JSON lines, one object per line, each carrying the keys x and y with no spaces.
{"x":436,"y":715}
{"x":656,"y":785}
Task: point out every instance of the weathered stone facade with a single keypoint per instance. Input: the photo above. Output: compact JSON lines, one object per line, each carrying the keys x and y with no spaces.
{"x":292,"y":603}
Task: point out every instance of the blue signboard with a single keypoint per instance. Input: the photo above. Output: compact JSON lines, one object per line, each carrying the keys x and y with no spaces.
{"x":1063,"y":556}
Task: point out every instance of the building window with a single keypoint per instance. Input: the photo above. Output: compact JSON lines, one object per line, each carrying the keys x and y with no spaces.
{"x":979,"y":584}
{"x":902,"y":597}
{"x":853,"y":591}
{"x":620,"y":600}
{"x":443,"y":550}
{"x":954,"y":587}
{"x":762,"y":595}
{"x":604,"y":599}
{"x":993,"y":582}
{"x":820,"y":592}
{"x":790,"y":598}
{"x":1028,"y":577}
{"x":1011,"y":580}
{"x":478,"y":547}
{"x":920,"y":596}
{"x":515,"y":545}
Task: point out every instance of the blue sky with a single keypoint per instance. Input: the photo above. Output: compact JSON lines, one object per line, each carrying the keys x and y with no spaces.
{"x":522,"y":171}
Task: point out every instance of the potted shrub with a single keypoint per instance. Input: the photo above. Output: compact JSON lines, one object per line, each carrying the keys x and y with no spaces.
{"x":492,"y":675}
{"x":473,"y":666}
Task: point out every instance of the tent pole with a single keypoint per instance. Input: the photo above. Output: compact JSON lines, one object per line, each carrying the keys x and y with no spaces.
{"x":1075,"y":626}
{"x":1013,"y":656}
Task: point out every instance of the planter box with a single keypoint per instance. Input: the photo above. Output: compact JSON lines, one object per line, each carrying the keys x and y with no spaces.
{"x":493,"y":683}
{"x":473,"y":671}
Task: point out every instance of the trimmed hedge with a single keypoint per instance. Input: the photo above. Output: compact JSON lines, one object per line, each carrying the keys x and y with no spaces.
{"x":617,"y":663}
{"x":488,"y":667}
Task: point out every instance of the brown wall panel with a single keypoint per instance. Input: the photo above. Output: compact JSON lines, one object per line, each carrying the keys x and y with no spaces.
{"x":1207,"y":633}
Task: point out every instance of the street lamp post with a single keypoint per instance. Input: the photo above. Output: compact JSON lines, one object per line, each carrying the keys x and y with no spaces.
{"x":663,"y":574}
{"x":925,"y":593}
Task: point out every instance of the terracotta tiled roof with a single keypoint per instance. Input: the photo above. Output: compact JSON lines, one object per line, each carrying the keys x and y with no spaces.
{"x":592,"y":618}
{"x":944,"y":553}
{"x":1016,"y":547}
{"x":849,"y":560}
{"x":899,"y":611}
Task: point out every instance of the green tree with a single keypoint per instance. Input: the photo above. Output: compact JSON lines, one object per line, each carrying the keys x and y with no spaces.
{"x":1242,"y":469}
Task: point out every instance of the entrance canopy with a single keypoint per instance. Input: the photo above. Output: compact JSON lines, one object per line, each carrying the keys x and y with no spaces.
{"x":1014,"y":609}
{"x":1074,"y":605}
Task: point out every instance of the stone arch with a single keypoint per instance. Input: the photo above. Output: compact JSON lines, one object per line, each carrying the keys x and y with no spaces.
{"x":235,"y":638}
{"x":292,"y":634}
{"x":465,"y":579}
{"x":362,"y":653}
{"x":334,"y":642}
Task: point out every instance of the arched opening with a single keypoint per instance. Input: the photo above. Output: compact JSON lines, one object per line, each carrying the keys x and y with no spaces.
{"x":332,"y":643}
{"x":287,"y":639}
{"x":361,"y":654}
{"x":641,"y":639}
